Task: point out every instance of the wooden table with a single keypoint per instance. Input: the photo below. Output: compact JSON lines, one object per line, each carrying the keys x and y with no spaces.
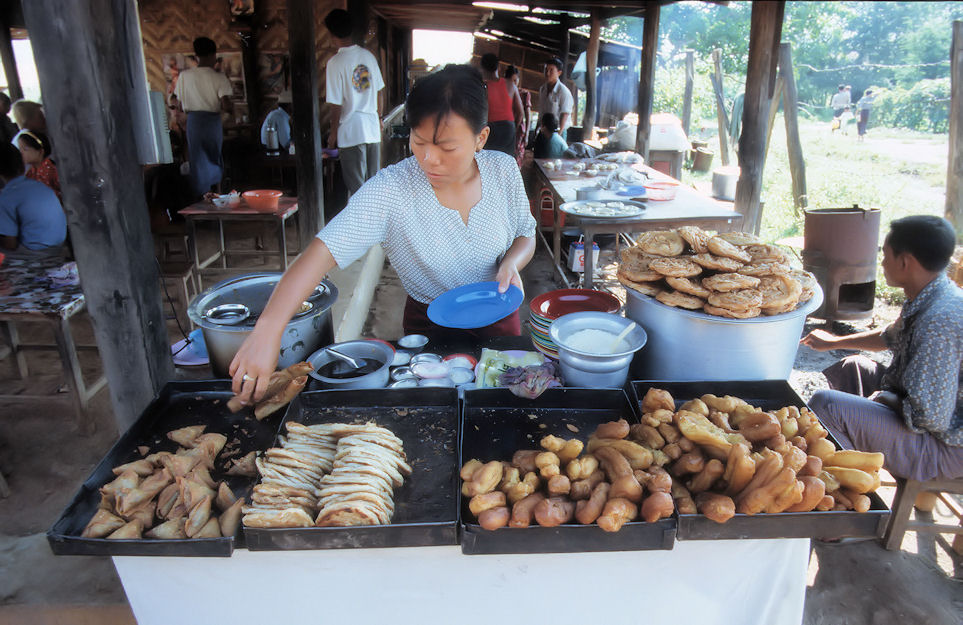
{"x":28,"y":294}
{"x":205,"y":211}
{"x":688,"y":208}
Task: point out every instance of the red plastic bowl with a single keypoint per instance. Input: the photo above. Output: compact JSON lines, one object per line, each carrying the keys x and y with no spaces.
{"x":661,"y":190}
{"x":554,"y":304}
{"x":262,"y":200}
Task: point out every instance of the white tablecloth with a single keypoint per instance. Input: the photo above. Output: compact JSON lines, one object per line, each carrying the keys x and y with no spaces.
{"x":704,"y":582}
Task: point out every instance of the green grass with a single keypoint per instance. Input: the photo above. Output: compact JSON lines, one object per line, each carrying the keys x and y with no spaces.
{"x":897,"y":171}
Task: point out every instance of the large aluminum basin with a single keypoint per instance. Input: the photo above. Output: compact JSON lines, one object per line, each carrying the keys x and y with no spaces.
{"x":689,"y":345}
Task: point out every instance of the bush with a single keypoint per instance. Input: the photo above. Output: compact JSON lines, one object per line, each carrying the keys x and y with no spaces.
{"x":924,"y":107}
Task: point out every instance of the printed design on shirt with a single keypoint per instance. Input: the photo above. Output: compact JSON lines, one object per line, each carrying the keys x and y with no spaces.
{"x":361,"y":78}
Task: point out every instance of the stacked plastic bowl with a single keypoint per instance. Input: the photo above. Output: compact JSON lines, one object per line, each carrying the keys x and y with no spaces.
{"x":549,"y":306}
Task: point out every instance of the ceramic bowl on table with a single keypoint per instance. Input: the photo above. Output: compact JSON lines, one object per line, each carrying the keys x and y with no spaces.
{"x":227,"y":200}
{"x":262,"y":200}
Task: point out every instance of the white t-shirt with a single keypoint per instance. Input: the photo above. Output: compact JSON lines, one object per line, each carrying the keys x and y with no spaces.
{"x":429,"y":245}
{"x":201,"y":89}
{"x":557,"y":101}
{"x":353,"y":81}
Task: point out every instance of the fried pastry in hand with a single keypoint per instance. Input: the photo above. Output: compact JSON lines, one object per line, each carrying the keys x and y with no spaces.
{"x":725,"y":282}
{"x":687,"y":286}
{"x":661,"y":243}
{"x":721,"y":247}
{"x":680,"y":300}
{"x":676,"y":267}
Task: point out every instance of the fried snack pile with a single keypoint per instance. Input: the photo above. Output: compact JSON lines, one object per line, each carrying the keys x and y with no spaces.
{"x":615,"y":482}
{"x":169,"y":495}
{"x":732,"y":274}
{"x":726,"y":457}
{"x":332,"y":474}
{"x":283,"y":386}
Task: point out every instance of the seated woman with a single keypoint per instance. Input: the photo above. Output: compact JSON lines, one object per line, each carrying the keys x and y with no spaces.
{"x":32,"y":222}
{"x":449,"y":215}
{"x":548,"y":143}
{"x":35,"y":150}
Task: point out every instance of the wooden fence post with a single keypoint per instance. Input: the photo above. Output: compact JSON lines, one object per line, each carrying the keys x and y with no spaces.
{"x":85,"y":67}
{"x":776,"y":98}
{"x":650,"y":44}
{"x":720,"y":106}
{"x":797,"y":165}
{"x":687,"y":99}
{"x":591,"y":92}
{"x":954,"y":173}
{"x":305,"y":128}
{"x":764,"y":35}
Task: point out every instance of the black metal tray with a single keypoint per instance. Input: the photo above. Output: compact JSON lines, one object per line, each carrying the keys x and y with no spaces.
{"x":178,"y":405}
{"x":496,"y":423}
{"x":426,"y":420}
{"x":766,"y":394}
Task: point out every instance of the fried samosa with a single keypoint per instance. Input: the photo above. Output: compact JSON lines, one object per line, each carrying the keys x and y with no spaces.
{"x":225,"y":498}
{"x":211,"y":529}
{"x":171,"y":529}
{"x":202,"y":475}
{"x":102,"y":524}
{"x":230,"y":518}
{"x":192,"y":491}
{"x":272,"y":404}
{"x":167,"y":499}
{"x":130,"y":500}
{"x":244,"y":465}
{"x":134,"y":529}
{"x":142,"y":467}
{"x":180,"y":464}
{"x":198,"y":517}
{"x":185,"y":436}
{"x":145,"y":514}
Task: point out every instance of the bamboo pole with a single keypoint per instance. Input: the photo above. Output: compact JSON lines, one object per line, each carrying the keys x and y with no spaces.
{"x":954,"y":173}
{"x":797,"y":164}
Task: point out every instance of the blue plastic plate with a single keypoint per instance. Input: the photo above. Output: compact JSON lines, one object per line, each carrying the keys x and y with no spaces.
{"x":633,"y":191}
{"x":474,"y":305}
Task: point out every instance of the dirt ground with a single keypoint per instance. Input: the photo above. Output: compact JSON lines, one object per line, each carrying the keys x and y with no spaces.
{"x":46,"y":460}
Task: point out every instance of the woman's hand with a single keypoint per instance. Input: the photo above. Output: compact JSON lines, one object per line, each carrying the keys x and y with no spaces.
{"x":508,"y":275}
{"x":253,"y":365}
{"x":819,"y":340}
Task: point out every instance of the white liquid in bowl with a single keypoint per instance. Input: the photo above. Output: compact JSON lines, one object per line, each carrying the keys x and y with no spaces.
{"x":594,"y":341}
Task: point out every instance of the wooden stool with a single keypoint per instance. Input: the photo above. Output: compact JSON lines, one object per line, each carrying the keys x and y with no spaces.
{"x":182,"y":279}
{"x":906,"y":493}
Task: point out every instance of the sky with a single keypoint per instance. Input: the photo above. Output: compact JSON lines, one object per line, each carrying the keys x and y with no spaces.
{"x":25,"y":67}
{"x":437,"y":47}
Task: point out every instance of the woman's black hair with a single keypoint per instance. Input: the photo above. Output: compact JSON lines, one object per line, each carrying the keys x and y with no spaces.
{"x":204,"y":46}
{"x":548,"y":121}
{"x":930,"y":239}
{"x":36,"y":140}
{"x":338,"y":21}
{"x":11,"y":163}
{"x":510,"y":71}
{"x":456,"y":89}
{"x":489,"y":62}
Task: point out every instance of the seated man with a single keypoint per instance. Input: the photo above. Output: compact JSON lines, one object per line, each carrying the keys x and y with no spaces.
{"x":280,"y":120}
{"x":32,"y":222}
{"x":914,"y":410}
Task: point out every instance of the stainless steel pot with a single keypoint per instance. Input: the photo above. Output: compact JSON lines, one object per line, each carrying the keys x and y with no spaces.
{"x":373,"y":350}
{"x":591,"y":370}
{"x":689,"y":345}
{"x":227,"y":312}
{"x":724,"y":181}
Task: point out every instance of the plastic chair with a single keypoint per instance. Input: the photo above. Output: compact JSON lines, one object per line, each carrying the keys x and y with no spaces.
{"x":900,"y":523}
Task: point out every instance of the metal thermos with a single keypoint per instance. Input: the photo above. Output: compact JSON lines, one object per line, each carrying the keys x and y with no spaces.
{"x":272,"y":138}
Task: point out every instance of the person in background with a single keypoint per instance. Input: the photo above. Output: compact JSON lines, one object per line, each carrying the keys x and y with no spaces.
{"x":29,"y":116}
{"x":844,"y":120}
{"x":554,"y":97}
{"x":449,"y":215}
{"x":204,"y":93}
{"x":839,"y":101}
{"x":911,"y":411}
{"x":35,"y":151}
{"x":863,"y":108}
{"x":548,"y":143}
{"x":521,"y":137}
{"x":353,"y":80}
{"x":504,"y":107}
{"x":8,"y":128}
{"x":280,"y":119}
{"x":32,"y":222}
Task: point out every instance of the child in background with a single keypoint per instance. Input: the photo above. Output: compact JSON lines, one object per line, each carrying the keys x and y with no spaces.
{"x":35,"y":151}
{"x":845,"y":119}
{"x":548,"y":143}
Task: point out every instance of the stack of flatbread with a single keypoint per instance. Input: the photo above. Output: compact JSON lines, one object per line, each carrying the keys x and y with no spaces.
{"x":732,"y":274}
{"x":328,"y":474}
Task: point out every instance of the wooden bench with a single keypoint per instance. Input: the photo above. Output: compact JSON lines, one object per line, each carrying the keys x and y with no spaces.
{"x":906,"y":493}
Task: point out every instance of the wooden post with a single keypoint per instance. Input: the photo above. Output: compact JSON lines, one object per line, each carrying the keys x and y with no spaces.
{"x":687,"y":99}
{"x":650,"y":44}
{"x":89,"y":116}
{"x":7,"y":58}
{"x":591,"y":62}
{"x":720,"y":107}
{"x":797,"y":165}
{"x":954,"y":173}
{"x":776,"y":97}
{"x":249,"y":54}
{"x":306,"y":129}
{"x":764,"y":34}
{"x":565,"y":23}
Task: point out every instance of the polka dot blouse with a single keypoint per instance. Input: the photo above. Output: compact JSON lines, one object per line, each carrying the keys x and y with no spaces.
{"x":429,"y":245}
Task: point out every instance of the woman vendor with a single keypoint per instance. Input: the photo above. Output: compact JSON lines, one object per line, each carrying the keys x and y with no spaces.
{"x":449,"y":215}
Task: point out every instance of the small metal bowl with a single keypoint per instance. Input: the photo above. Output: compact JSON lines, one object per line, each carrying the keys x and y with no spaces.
{"x":437,"y":382}
{"x":405,"y":383}
{"x":413,"y":342}
{"x":425,"y":357}
{"x":401,"y":357}
{"x":461,"y":375}
{"x":402,"y":373}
